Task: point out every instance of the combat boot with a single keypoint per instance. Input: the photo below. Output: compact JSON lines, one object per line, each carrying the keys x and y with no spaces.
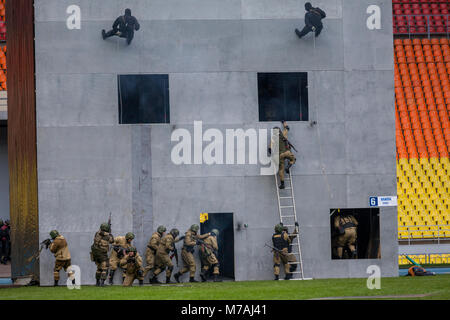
{"x":177,"y":277}
{"x":281,"y":186}
{"x":141,"y":282}
{"x":217,"y":279}
{"x":288,"y":276}
{"x":277,"y":277}
{"x":154,"y":280}
{"x":191,"y":279}
{"x":168,"y":280}
{"x":203,"y":276}
{"x":102,"y":282}
{"x":111,"y":277}
{"x":97,"y":284}
{"x":56,"y":283}
{"x":288,"y":167}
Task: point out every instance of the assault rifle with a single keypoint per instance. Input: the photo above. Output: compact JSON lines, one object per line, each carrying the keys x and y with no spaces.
{"x":290,"y":145}
{"x":46,"y":243}
{"x":275,"y":249}
{"x":109,"y":222}
{"x":175,"y":254}
{"x":199,"y":241}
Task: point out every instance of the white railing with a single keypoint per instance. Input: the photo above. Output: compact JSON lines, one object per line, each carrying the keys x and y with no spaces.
{"x":440,"y":234}
{"x":426,"y":29}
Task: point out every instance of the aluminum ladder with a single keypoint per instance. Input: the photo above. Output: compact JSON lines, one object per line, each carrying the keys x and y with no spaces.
{"x":288,"y":217}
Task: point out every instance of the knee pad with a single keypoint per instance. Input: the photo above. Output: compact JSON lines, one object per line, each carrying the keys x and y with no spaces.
{"x":292,"y":267}
{"x":276,"y":265}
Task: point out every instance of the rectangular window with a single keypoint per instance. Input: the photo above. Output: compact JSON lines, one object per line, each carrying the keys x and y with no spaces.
{"x":143,"y":98}
{"x":283,"y":96}
{"x":355,"y":233}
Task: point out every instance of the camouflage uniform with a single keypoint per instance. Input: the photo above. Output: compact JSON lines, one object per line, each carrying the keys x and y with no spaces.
{"x":346,"y":224}
{"x":285,"y":153}
{"x":119,"y":246}
{"x":62,"y":255}
{"x":208,"y":255}
{"x":162,"y":259}
{"x":150,"y":252}
{"x":133,"y":269}
{"x":99,"y":254}
{"x":187,"y":254}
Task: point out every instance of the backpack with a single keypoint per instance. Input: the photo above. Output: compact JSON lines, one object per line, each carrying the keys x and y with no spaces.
{"x":319,"y":12}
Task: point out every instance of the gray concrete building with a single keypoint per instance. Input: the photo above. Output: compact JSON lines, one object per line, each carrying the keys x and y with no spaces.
{"x":212,"y":51}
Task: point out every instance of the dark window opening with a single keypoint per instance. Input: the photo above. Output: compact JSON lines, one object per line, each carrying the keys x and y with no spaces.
{"x":143,"y":99}
{"x":355,"y":233}
{"x":283,"y":96}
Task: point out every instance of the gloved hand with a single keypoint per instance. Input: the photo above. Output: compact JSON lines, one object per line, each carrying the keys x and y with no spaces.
{"x":182,"y":237}
{"x":131,"y":260}
{"x":296,"y":223}
{"x":269,"y":151}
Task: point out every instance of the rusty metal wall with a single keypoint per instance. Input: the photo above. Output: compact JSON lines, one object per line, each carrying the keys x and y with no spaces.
{"x":22,"y":137}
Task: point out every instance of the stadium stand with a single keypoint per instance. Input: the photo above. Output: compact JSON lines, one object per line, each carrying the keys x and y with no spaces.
{"x":421,"y":16}
{"x":422,"y":89}
{"x":434,"y":258}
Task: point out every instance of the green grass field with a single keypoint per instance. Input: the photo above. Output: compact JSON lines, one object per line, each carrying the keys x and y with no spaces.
{"x":437,"y":286}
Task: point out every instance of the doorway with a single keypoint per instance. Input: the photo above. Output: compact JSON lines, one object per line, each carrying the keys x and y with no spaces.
{"x":224,"y":223}
{"x":366,"y":233}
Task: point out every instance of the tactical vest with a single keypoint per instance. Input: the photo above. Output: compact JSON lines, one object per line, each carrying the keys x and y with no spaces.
{"x":279,"y":242}
{"x":101,"y":245}
{"x":346,"y":222}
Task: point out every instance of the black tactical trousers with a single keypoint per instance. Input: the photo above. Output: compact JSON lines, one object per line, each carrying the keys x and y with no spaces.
{"x":307,"y":29}
{"x":129,"y":35}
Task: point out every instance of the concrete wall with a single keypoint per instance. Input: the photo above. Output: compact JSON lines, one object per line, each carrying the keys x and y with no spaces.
{"x":4,"y":174}
{"x":89,"y":165}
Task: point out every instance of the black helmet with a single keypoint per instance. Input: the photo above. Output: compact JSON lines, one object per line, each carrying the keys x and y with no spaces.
{"x":128,"y":12}
{"x":308,"y":6}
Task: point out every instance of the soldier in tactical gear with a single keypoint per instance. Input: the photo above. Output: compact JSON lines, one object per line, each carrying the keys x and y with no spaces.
{"x":187,"y":253}
{"x":282,"y":240}
{"x":284,"y":152}
{"x":131,"y":262}
{"x":313,"y":21}
{"x":99,"y":252}
{"x":162,"y":259}
{"x":4,"y":242}
{"x":209,"y":255}
{"x":123,"y":27}
{"x":152,"y":247}
{"x":120,"y":244}
{"x":346,"y":225}
{"x":60,"y":249}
